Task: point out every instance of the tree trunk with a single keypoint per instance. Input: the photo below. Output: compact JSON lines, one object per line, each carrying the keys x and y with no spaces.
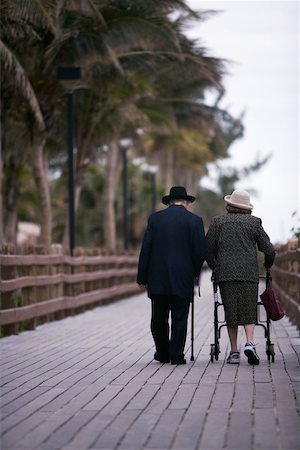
{"x":11,"y":226}
{"x":11,"y":189}
{"x":191,"y":182}
{"x":169,"y":173}
{"x":79,"y":181}
{"x":1,"y":194}
{"x":112,"y":173}
{"x":40,"y":173}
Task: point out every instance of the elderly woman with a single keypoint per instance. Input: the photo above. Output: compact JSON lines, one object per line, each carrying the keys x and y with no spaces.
{"x":232,"y":243}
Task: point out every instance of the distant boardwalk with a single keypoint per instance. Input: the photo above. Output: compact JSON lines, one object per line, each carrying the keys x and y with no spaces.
{"x":90,"y":382}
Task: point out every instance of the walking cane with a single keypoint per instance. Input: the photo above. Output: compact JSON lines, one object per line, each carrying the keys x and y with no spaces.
{"x":192,"y":329}
{"x":196,"y":283}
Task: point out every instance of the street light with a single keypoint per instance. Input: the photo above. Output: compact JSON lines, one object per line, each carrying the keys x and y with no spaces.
{"x":125,"y":144}
{"x":152,"y":170}
{"x":70,"y":74}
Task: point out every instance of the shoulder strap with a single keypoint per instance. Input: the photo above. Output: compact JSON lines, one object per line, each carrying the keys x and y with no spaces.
{"x":268,"y":278}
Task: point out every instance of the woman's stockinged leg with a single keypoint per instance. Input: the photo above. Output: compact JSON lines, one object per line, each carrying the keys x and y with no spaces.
{"x":232,"y":333}
{"x":249,"y":330}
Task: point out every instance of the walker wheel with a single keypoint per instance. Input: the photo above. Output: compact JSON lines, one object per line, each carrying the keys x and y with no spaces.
{"x":217,"y":351}
{"x":212,"y":352}
{"x":270,"y":352}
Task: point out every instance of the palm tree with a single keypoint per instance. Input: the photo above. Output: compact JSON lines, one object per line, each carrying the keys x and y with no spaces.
{"x":120,"y":41}
{"x":139,"y":70}
{"x":17,"y":34}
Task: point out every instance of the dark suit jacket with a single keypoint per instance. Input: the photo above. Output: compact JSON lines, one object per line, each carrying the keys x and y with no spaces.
{"x":172,"y":252}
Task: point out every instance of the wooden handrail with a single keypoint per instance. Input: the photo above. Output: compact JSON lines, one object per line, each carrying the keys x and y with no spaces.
{"x":44,"y":287}
{"x":28,"y":260}
{"x":49,"y":280}
{"x":292,"y":276}
{"x":286,"y":279}
{"x":23,"y":313}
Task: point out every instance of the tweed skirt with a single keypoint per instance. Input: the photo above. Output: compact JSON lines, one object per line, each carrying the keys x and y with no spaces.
{"x":240,"y":301}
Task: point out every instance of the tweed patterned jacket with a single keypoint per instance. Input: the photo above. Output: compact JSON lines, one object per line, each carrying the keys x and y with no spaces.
{"x":232,"y":242}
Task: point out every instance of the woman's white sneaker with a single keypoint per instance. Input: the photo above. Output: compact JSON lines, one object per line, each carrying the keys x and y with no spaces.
{"x":233,"y":358}
{"x":251,"y":354}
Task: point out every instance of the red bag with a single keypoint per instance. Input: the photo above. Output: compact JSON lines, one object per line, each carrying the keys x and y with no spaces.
{"x":270,"y":301}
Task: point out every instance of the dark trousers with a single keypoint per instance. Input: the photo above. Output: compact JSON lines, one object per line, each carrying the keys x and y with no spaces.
{"x":169,"y":346}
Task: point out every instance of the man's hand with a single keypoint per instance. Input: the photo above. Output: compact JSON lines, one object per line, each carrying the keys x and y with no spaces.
{"x":143,"y":287}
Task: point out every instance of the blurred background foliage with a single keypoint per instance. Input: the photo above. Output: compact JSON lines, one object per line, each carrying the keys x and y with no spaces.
{"x":143,"y":80}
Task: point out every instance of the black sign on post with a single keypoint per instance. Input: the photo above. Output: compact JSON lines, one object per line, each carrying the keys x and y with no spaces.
{"x":70,"y":74}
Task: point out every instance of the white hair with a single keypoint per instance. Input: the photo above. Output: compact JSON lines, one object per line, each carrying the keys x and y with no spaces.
{"x":179,"y":202}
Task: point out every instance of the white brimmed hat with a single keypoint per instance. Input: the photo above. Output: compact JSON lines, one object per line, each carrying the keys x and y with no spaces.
{"x":240,"y":199}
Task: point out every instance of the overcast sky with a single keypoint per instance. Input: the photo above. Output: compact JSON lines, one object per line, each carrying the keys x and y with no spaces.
{"x":261,"y":39}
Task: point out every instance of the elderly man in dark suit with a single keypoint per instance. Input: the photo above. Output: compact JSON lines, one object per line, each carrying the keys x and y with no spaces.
{"x":171,"y":256}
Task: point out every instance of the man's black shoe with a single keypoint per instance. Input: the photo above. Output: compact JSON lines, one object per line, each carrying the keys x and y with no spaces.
{"x":160,"y":359}
{"x":175,"y":362}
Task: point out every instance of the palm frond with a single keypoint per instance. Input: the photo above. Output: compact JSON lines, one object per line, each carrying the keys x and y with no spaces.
{"x":45,"y":10}
{"x":32,"y":12}
{"x":140,"y":33}
{"x":97,"y":12}
{"x":12,"y":66}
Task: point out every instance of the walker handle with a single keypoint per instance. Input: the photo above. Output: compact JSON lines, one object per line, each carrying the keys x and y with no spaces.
{"x":215,"y":284}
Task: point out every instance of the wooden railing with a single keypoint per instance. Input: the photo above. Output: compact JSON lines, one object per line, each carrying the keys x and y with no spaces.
{"x":286,"y":279}
{"x":36,"y":288}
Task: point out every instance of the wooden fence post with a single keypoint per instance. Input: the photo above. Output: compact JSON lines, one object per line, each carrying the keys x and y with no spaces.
{"x":29,"y":295}
{"x":78,"y":288}
{"x":9,"y":299}
{"x":58,"y":289}
{"x":68,"y":287}
{"x":42,"y":291}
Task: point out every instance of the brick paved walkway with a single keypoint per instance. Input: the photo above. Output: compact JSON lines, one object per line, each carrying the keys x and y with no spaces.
{"x":90,"y":381}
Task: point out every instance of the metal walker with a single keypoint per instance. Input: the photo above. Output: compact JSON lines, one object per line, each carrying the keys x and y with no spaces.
{"x":218,"y":325}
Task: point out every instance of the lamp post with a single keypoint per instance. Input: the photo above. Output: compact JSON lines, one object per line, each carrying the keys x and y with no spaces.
{"x":152,"y":170}
{"x":70,"y":74}
{"x":125,"y":144}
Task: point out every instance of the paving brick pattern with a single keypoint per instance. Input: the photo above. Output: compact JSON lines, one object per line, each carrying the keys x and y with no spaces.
{"x":90,"y":382}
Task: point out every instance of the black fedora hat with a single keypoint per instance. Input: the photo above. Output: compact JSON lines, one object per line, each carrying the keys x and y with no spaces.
{"x":177,"y":193}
